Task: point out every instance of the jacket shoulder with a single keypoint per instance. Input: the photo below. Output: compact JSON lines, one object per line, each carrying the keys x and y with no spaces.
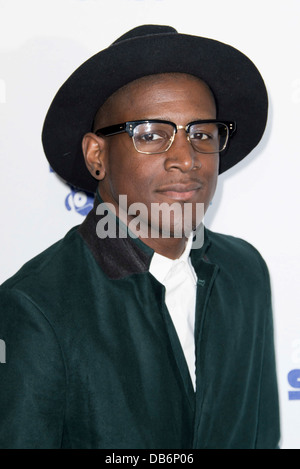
{"x":235,"y":254}
{"x":46,"y":265}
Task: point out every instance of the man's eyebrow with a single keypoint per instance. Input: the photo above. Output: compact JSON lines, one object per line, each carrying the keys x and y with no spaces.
{"x":170,"y":119}
{"x":156,"y":117}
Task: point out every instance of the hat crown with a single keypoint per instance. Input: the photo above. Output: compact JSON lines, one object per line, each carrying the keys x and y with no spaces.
{"x":145,"y":30}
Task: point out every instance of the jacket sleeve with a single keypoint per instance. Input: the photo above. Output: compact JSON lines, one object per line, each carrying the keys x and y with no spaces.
{"x":268,"y":422}
{"x":32,"y":376}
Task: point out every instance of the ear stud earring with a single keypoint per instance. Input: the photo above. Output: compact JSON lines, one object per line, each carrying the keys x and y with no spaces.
{"x":97,"y":172}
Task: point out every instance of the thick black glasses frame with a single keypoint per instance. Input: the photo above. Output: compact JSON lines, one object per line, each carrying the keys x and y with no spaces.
{"x":130,"y":126}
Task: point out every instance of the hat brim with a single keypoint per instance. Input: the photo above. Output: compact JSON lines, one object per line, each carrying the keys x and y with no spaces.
{"x":236,"y":83}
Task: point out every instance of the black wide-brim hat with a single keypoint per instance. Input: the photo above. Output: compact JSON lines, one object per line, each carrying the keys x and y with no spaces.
{"x":236,"y":83}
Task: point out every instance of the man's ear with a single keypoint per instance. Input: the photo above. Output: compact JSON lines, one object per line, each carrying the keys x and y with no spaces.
{"x":93,"y":152}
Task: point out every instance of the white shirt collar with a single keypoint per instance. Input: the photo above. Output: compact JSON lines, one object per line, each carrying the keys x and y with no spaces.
{"x":161,"y":266}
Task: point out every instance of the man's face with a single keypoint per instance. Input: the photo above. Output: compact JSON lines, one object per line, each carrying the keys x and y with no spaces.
{"x":179,"y":175}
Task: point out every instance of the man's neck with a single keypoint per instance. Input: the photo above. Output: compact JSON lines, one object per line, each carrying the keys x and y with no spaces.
{"x":167,"y":247}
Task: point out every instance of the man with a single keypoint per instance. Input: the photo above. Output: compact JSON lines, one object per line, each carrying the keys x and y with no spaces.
{"x":124,"y":334}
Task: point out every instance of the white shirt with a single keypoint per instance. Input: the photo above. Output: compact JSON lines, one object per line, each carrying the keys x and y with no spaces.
{"x":180,"y":280}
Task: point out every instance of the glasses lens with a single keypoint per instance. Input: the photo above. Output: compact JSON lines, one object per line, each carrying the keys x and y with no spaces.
{"x":209,"y":137}
{"x":153,"y":137}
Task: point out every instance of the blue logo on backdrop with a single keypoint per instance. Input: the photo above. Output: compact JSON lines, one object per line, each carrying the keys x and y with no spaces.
{"x":293,"y":376}
{"x":80,"y":201}
{"x":294,"y":382}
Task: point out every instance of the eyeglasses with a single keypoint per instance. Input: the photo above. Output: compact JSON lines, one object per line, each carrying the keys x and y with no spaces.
{"x":156,"y":136}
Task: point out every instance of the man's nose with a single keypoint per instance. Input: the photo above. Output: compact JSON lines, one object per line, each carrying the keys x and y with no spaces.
{"x":181,"y":154}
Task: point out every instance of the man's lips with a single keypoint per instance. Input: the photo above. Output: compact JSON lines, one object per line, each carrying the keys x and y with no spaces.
{"x":180,"y":191}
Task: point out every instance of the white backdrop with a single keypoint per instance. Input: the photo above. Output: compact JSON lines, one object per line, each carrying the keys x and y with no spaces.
{"x":43,"y":41}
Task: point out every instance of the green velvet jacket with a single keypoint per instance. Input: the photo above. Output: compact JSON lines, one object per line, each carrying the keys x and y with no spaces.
{"x":93,"y":359}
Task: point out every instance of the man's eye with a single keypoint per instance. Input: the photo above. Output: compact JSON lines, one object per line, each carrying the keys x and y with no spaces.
{"x":150,"y":137}
{"x":200,"y":136}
